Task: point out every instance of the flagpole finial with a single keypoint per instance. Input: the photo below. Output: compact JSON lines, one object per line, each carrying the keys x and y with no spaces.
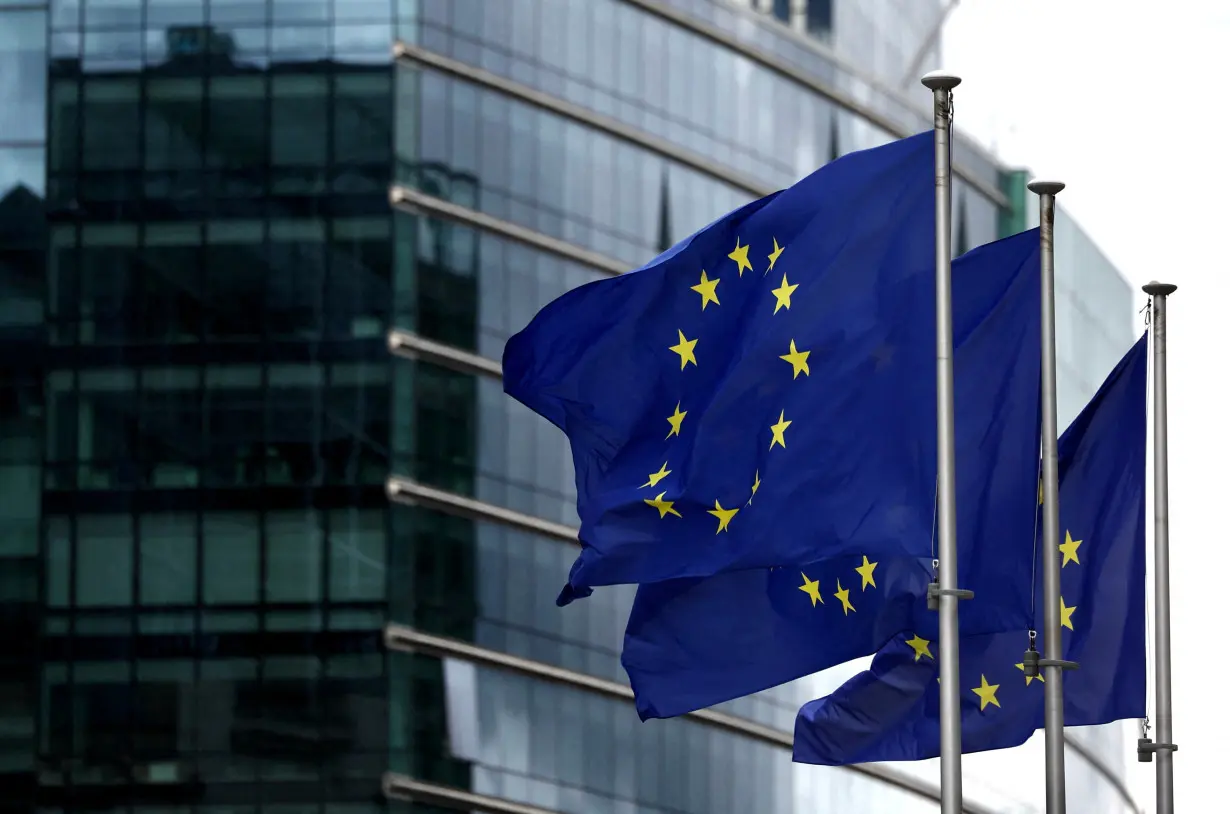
{"x":1040,"y":187}
{"x":1156,"y":289}
{"x":941,"y":80}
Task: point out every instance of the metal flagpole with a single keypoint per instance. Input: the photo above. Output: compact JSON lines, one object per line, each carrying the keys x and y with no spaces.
{"x":1052,"y":662}
{"x":945,"y":595}
{"x":1164,"y":746}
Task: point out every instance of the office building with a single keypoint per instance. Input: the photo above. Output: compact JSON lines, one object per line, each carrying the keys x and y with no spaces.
{"x":214,"y":212}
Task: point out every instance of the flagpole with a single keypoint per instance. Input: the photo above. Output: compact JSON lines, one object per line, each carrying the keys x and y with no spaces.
{"x":1164,"y":746}
{"x":945,"y":594}
{"x":1052,"y":662}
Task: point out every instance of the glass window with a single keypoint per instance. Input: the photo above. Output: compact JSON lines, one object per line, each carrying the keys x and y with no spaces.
{"x":104,"y":572}
{"x":168,"y":559}
{"x":22,"y":251}
{"x":109,"y":282}
{"x":111,"y":120}
{"x":113,"y":14}
{"x":356,"y":556}
{"x":23,"y":75}
{"x":163,"y":14}
{"x":171,"y":285}
{"x":294,"y":552}
{"x":300,"y":121}
{"x":226,"y":12}
{"x":299,"y":43}
{"x":300,"y":11}
{"x":169,"y":438}
{"x":295,"y":279}
{"x":238,"y":133}
{"x":234,"y":279}
{"x":359,"y":277}
{"x":231,"y":555}
{"x":65,"y":125}
{"x":362,"y":109}
{"x":174,"y":124}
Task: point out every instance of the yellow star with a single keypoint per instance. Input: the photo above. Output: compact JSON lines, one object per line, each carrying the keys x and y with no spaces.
{"x":866,"y":571}
{"x":921,"y":646}
{"x":777,"y":252}
{"x":656,"y":476}
{"x":811,"y":587}
{"x":986,"y":694}
{"x":664,"y":507}
{"x":1039,"y":491}
{"x":707,"y":289}
{"x":739,"y":255}
{"x":798,"y":360}
{"x":1068,"y":547}
{"x":686,"y":350}
{"x":779,"y":431}
{"x":783,"y":294}
{"x":723,"y":515}
{"x":1030,"y":679}
{"x":755,"y":486}
{"x":1065,"y":615}
{"x":843,"y":595}
{"x":676,"y":420}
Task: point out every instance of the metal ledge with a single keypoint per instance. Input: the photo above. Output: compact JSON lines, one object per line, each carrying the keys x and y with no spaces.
{"x":401,"y":787}
{"x":413,"y":202}
{"x":412,"y":493}
{"x":408,"y":640}
{"x":407,"y":345}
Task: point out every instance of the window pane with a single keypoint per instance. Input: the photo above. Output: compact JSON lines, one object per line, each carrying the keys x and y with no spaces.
{"x":295,"y":544}
{"x":356,"y":556}
{"x":168,"y":559}
{"x":174,"y":124}
{"x":23,"y":75}
{"x":362,"y":119}
{"x":300,"y":121}
{"x":232,"y":558}
{"x":59,"y":565}
{"x":104,"y":561}
{"x":112,"y":124}
{"x":238,"y":135}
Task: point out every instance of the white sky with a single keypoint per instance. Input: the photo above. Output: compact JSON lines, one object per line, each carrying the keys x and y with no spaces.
{"x":1125,"y":102}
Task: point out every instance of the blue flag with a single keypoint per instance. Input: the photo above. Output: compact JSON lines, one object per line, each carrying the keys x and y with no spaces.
{"x":891,"y":711}
{"x":692,"y":643}
{"x":785,"y":353}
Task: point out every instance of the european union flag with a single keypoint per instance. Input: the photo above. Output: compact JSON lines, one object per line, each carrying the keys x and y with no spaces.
{"x":783,"y":353}
{"x":891,"y":712}
{"x":692,"y":643}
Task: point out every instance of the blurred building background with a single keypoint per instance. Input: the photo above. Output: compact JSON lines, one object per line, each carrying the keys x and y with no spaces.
{"x":200,"y":259}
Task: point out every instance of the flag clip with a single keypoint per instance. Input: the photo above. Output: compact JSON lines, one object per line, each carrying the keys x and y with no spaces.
{"x":1030,"y":662}
{"x":1145,"y":747}
{"x":934,"y":592}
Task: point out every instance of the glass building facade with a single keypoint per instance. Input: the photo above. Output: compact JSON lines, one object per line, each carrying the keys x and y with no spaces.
{"x":198,"y":272}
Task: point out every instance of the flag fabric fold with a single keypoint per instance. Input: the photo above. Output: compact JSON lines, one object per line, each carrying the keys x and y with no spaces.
{"x":891,"y":711}
{"x":692,"y":643}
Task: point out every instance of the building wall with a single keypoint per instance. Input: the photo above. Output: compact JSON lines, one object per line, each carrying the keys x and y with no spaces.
{"x":198,"y":273}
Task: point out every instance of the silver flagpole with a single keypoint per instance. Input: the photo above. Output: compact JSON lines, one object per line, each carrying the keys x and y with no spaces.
{"x":1052,"y":662}
{"x":945,"y":594}
{"x":1164,"y":746}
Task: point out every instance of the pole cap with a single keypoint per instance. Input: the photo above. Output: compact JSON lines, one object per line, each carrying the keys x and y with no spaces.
{"x":1156,"y":289}
{"x":1040,"y":187}
{"x":941,"y":80}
